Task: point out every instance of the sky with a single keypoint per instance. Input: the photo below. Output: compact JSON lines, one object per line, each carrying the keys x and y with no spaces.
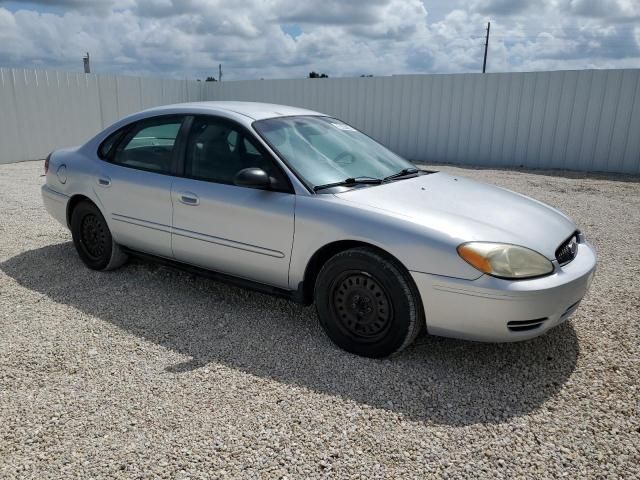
{"x":290,"y":38}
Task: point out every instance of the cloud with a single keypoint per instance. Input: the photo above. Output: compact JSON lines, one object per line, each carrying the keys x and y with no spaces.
{"x":167,"y":8}
{"x":101,"y":6}
{"x":506,"y":7}
{"x":63,"y":3}
{"x":620,"y":10}
{"x":331,"y":12}
{"x":189,"y":38}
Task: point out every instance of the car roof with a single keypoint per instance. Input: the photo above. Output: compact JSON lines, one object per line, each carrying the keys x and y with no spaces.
{"x":253,"y":110}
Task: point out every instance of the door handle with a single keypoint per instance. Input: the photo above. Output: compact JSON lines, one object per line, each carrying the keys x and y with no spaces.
{"x":189,"y":198}
{"x":104,"y":181}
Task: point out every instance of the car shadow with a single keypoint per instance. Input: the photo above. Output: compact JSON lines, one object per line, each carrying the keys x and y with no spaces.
{"x":435,"y":380}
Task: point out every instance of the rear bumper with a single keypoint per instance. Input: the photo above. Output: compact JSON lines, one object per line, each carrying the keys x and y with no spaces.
{"x":56,"y":204}
{"x":495,"y":310}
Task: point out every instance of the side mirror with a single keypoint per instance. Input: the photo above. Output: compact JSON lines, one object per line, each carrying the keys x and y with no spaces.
{"x":253,"y":178}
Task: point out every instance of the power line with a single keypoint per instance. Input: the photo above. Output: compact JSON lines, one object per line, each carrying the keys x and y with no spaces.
{"x":609,"y":41}
{"x":550,"y":35}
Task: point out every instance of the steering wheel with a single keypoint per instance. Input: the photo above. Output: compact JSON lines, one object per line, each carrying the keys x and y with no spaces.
{"x":345,"y":158}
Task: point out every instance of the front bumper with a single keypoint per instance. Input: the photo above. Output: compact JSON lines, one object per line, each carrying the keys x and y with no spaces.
{"x":55,"y":203}
{"x":495,"y":310}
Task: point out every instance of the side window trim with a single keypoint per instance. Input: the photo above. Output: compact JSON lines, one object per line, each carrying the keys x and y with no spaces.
{"x":130,"y":131}
{"x":244,"y":134}
{"x":180,"y":150}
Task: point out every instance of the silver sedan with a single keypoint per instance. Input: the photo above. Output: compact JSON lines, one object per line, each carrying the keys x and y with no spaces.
{"x":300,"y":204}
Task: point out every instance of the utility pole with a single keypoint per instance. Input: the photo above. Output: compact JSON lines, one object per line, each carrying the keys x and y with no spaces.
{"x":86,"y":60}
{"x":486,"y":48}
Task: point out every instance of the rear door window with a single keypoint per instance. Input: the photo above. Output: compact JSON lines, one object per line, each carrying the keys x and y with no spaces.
{"x":149,"y":145}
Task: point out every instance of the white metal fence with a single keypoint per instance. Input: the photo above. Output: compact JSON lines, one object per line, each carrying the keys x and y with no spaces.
{"x":43,"y":110}
{"x":581,"y":120}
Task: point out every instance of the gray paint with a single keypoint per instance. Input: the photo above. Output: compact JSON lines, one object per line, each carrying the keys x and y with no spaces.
{"x":579,"y":120}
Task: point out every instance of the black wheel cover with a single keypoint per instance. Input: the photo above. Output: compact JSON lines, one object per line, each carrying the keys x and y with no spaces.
{"x":361,"y":305}
{"x":93,"y":236}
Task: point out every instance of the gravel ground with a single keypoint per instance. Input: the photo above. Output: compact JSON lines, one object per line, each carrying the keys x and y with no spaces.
{"x":150,"y":373}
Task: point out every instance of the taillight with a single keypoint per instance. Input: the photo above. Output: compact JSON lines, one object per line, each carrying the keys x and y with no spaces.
{"x":46,"y":163}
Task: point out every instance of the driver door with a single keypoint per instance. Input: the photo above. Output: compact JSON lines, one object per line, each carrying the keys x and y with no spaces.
{"x":241,"y":231}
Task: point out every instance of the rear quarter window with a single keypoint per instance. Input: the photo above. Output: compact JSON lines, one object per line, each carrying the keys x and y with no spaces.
{"x":107,"y":145}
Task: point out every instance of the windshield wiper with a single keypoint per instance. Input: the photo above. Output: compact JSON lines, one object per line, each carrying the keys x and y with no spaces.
{"x":402,"y":173}
{"x":350,"y":181}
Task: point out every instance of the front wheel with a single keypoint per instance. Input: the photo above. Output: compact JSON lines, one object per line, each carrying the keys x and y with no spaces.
{"x":92,"y":238}
{"x":367,"y":303}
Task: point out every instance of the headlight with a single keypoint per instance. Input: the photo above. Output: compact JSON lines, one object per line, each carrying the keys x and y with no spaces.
{"x":506,"y":261}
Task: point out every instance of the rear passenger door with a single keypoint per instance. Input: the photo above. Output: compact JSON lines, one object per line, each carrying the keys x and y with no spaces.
{"x":134,"y":184}
{"x":245,"y":232}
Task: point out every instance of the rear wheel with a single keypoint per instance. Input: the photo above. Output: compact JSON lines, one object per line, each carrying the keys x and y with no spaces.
{"x":367,"y":303}
{"x":92,"y":238}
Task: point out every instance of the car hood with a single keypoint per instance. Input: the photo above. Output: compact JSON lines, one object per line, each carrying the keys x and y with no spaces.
{"x":467,"y":210}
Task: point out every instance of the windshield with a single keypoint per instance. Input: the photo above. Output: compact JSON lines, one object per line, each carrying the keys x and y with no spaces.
{"x":323,"y":150}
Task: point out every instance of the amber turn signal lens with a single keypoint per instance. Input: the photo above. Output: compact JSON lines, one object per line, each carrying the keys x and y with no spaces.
{"x":474,"y":259}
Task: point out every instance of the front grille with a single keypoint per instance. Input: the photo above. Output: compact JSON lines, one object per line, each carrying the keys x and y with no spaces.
{"x":524,"y":325}
{"x":567,"y":250}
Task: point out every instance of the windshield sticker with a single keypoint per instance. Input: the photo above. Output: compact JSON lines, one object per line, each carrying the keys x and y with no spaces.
{"x":344,"y":127}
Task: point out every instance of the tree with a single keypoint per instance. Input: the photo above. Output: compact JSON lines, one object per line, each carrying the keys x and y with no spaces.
{"x":318,"y":75}
{"x":211,"y":79}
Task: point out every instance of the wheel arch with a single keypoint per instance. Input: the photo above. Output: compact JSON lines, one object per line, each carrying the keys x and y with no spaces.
{"x":324,"y":253}
{"x":73,"y":203}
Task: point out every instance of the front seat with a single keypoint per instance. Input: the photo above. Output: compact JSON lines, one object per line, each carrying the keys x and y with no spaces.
{"x":216,"y":160}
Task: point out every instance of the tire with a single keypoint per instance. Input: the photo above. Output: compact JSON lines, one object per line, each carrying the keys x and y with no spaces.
{"x":92,"y":239}
{"x":367,"y":303}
